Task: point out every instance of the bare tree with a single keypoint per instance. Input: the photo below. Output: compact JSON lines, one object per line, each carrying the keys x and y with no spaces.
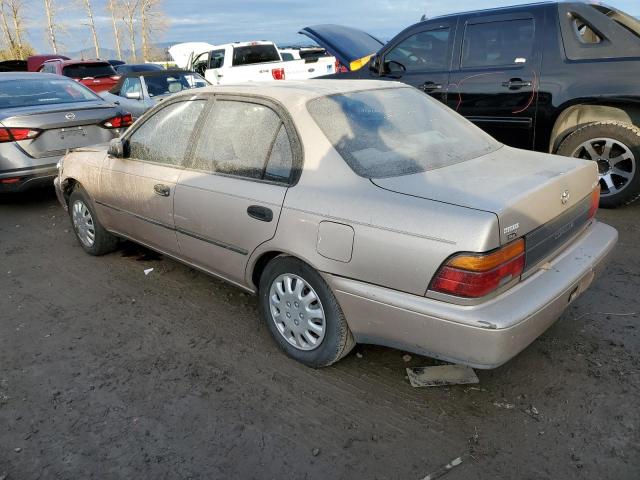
{"x":114,"y":7}
{"x":49,"y":8}
{"x":91,"y":24}
{"x":153,"y":21}
{"x":129,"y":17}
{"x":11,"y":13}
{"x":16,"y":6}
{"x":7,"y":33}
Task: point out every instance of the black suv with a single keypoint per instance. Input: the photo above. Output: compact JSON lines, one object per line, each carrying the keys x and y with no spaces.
{"x":554,"y":77}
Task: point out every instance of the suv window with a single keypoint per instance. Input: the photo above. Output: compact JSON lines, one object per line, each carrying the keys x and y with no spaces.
{"x":255,"y":54}
{"x":496,"y":44}
{"x":83,"y":70}
{"x":239,"y":137}
{"x":216,"y":59}
{"x":422,"y":51}
{"x":164,"y":137}
{"x":48,"y":68}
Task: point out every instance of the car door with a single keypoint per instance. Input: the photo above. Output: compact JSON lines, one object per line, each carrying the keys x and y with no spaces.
{"x":497,"y":73}
{"x":132,"y":86}
{"x":228,"y":200}
{"x":136,"y":194}
{"x":422,"y":57}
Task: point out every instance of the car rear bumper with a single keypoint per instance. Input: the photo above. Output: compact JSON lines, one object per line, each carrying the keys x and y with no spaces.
{"x":23,"y":179}
{"x":485,"y":335}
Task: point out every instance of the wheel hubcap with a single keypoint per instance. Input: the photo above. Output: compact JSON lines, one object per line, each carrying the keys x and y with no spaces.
{"x":83,"y":223}
{"x":616,"y":163}
{"x":297,"y":312}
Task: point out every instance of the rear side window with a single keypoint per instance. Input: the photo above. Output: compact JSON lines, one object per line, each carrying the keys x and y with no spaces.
{"x":164,"y":137}
{"x":48,"y":68}
{"x":84,"y":70}
{"x":498,"y":44}
{"x":216,"y":59}
{"x":255,"y":54}
{"x":397,"y":131}
{"x":422,"y":51}
{"x":244,"y":140}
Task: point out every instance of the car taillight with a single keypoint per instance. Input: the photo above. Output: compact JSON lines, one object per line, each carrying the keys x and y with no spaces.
{"x":17,"y":134}
{"x":277,"y":73}
{"x":120,"y":121}
{"x":476,"y":275}
{"x":340,"y":68}
{"x":595,"y":201}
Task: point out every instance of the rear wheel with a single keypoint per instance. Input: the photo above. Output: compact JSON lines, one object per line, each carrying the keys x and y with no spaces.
{"x":615,"y":146}
{"x":302,"y":313}
{"x":93,"y":238}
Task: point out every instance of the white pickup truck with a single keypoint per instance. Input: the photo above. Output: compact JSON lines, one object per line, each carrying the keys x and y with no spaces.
{"x":247,"y":62}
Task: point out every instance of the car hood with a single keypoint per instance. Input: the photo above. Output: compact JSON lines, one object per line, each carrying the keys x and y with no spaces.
{"x":522,"y":188}
{"x":181,"y":53}
{"x":347,"y":44}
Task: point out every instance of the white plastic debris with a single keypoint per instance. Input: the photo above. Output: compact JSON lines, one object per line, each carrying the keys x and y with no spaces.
{"x":406,"y":358}
{"x":441,"y":375}
{"x":444,"y":470}
{"x":148,"y":271}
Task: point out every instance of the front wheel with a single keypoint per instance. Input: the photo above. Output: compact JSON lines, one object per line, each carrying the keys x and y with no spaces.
{"x":615,"y":146}
{"x":93,"y":238}
{"x":302,"y":313}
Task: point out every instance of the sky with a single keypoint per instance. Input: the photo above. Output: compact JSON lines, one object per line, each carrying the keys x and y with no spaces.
{"x":241,"y":20}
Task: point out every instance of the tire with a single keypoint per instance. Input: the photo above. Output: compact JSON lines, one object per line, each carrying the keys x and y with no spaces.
{"x":609,"y":141}
{"x":335,"y":342}
{"x":84,"y":220}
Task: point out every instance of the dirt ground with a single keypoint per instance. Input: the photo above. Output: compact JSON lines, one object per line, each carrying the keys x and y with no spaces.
{"x":107,"y":373}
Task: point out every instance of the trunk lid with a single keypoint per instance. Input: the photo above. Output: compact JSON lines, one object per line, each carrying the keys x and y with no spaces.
{"x":64,"y":126}
{"x":347,"y":44}
{"x":524,"y":189}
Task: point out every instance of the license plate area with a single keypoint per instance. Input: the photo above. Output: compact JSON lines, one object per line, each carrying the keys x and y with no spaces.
{"x":72,"y":132}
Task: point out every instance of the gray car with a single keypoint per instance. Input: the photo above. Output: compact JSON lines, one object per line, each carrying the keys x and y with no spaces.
{"x":41,"y":117}
{"x":357,"y":211}
{"x":138,"y":91}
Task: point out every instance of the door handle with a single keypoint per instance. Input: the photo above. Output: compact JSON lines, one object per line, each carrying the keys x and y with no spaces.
{"x":516,"y":84}
{"x":258,"y":212}
{"x":162,"y":190}
{"x":430,"y":86}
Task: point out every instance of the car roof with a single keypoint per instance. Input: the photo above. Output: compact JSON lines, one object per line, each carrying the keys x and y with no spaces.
{"x":507,"y":8}
{"x":66,"y":63}
{"x":157,"y":73}
{"x":294,"y":92}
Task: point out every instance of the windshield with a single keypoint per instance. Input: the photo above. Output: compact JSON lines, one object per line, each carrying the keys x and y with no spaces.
{"x":27,"y":93}
{"x":173,"y":83}
{"x":93,"y":70}
{"x":255,"y":54}
{"x":397,"y":131}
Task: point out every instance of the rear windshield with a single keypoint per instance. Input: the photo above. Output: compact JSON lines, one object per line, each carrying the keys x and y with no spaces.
{"x":255,"y":54}
{"x":397,"y":131}
{"x":27,"y":93}
{"x":84,"y":70}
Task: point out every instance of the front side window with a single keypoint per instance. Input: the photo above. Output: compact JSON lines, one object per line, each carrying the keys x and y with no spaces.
{"x":131,"y":85}
{"x":422,"y":51}
{"x":245,"y":140}
{"x":164,"y":137}
{"x":216,"y":59}
{"x":498,"y":44}
{"x":397,"y":131}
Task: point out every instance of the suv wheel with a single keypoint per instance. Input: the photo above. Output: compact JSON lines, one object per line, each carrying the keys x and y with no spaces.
{"x":93,"y":238}
{"x":615,"y":146}
{"x":302,"y":313}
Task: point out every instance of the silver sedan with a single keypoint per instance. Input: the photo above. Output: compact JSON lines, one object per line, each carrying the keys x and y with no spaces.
{"x":357,"y":211}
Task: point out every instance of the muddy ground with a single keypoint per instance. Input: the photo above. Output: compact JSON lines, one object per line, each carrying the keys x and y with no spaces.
{"x":108,"y":373}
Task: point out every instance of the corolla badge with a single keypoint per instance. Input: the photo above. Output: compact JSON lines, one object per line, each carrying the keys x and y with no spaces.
{"x":70,"y":116}
{"x":564,"y":198}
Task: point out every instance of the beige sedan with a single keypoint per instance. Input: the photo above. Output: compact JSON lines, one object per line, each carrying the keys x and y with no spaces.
{"x":358,"y":211}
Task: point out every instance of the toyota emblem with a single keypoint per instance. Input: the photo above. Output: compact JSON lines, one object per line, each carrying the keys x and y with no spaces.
{"x":565,"y":197}
{"x":70,"y":116}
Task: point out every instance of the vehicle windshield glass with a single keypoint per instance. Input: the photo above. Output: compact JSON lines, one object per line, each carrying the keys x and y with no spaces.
{"x":397,"y":131}
{"x":30,"y":92}
{"x":173,"y":83}
{"x":255,"y":54}
{"x":621,"y":18}
{"x":84,"y":70}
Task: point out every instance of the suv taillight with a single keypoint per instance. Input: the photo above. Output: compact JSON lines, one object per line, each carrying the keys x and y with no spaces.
{"x":476,"y":275}
{"x":121,"y":121}
{"x":17,"y":134}
{"x":277,"y":73}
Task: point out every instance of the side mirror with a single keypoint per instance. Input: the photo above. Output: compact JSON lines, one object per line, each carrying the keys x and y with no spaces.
{"x":116,"y":148}
{"x":134,"y":95}
{"x":395,"y":68}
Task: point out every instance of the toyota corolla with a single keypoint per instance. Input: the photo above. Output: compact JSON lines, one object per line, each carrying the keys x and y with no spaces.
{"x":357,"y":211}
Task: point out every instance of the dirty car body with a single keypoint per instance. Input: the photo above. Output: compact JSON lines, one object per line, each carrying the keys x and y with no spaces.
{"x":332,"y":193}
{"x":41,"y":117}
